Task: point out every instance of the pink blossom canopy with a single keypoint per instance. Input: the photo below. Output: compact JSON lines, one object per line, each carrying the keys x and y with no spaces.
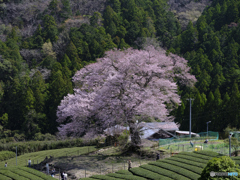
{"x":122,"y":85}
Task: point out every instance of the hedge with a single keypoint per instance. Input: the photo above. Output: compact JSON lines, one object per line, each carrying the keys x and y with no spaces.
{"x":4,"y":155}
{"x":164,"y":172}
{"x":148,"y":174}
{"x":124,"y":176}
{"x":176,"y":169}
{"x":192,"y":168}
{"x":12,"y":175}
{"x":196,"y":155}
{"x":126,"y":172}
{"x":34,"y":146}
{"x":104,"y":177}
{"x":25,"y":174}
{"x":5,"y":177}
{"x":194,"y":163}
{"x":208,"y":153}
{"x":37,"y":173}
{"x":191,"y":158}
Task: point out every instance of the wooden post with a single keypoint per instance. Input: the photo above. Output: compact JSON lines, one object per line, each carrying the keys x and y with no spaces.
{"x":59,"y":174}
{"x":112,"y":168}
{"x":85,"y":172}
{"x":124,"y":165}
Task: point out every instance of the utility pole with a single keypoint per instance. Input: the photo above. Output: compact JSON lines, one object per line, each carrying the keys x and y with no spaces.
{"x":190,"y":118}
{"x":16,"y":155}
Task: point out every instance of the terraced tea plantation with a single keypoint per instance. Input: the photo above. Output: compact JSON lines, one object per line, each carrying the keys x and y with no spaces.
{"x":183,"y":166}
{"x":22,"y":173}
{"x":37,"y":157}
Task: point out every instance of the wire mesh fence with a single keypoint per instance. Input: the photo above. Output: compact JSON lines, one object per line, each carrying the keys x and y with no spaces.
{"x":114,"y":164}
{"x":210,"y":135}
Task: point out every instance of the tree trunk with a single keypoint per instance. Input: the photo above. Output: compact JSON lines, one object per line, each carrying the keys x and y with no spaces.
{"x":135,"y":136}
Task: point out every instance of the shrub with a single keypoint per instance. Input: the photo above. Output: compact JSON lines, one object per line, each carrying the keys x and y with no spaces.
{"x":221,"y":164}
{"x":4,"y":155}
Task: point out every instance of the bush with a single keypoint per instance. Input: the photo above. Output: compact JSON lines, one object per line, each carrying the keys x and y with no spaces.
{"x":4,"y":155}
{"x":221,"y":164}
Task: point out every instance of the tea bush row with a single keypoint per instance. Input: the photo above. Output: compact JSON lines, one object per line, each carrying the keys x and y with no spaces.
{"x":196,"y":155}
{"x":208,"y":153}
{"x":148,"y":174}
{"x":38,"y":157}
{"x":192,"y":168}
{"x":4,"y":155}
{"x":33,"y":146}
{"x":194,"y":163}
{"x":127,"y":177}
{"x":164,"y":172}
{"x":103,"y":177}
{"x":36,"y":173}
{"x":126,"y":172}
{"x":191,"y":158}
{"x":176,"y":169}
{"x":4,"y":177}
{"x":12,"y":175}
{"x":25,"y":174}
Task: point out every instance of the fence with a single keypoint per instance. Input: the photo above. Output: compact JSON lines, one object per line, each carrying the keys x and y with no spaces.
{"x":202,"y":136}
{"x":113,"y":164}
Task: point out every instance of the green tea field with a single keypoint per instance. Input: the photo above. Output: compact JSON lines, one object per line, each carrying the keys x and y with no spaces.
{"x":22,"y":173}
{"x":183,"y":166}
{"x":37,"y":157}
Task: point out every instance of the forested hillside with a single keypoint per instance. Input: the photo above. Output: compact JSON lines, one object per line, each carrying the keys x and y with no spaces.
{"x":212,"y":48}
{"x":40,"y":52}
{"x":43,"y":44}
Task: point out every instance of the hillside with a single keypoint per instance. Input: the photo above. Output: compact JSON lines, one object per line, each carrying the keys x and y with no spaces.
{"x":44,"y":43}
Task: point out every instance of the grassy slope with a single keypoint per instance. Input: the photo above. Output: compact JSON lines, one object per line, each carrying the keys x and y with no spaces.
{"x":183,"y":166}
{"x":41,"y":155}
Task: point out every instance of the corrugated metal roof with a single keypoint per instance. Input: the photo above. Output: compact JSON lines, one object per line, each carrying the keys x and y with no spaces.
{"x":148,"y":129}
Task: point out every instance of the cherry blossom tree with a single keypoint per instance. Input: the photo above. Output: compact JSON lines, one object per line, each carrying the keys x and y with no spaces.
{"x":121,"y":86}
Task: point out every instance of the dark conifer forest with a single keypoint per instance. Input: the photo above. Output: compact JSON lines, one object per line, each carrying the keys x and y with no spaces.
{"x":41,"y":51}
